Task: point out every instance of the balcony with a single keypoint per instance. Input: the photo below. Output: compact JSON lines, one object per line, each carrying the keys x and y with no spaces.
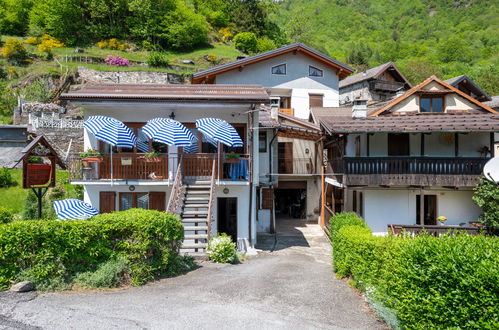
{"x":385,"y":85}
{"x":296,"y":166}
{"x":136,"y":166}
{"x":426,"y":171}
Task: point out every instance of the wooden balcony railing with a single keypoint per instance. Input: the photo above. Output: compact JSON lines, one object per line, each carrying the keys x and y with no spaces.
{"x":123,"y":166}
{"x":413,"y":165}
{"x":296,"y":166}
{"x":385,"y":85}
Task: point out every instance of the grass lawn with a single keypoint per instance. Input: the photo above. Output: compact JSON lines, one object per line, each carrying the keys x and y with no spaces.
{"x":13,"y":197}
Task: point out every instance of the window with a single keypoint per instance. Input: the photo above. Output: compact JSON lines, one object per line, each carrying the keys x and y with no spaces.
{"x":314,"y":72}
{"x":279,"y":69}
{"x":134,"y":200}
{"x":262,"y":142}
{"x":431,"y":104}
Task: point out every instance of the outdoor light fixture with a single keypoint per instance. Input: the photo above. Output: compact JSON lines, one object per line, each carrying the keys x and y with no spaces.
{"x":226,"y":190}
{"x":307,"y":151}
{"x":172,"y":115}
{"x":131,"y":188}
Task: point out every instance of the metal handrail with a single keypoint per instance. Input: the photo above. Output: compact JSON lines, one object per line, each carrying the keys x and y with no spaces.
{"x":212,"y":196}
{"x":176,"y":190}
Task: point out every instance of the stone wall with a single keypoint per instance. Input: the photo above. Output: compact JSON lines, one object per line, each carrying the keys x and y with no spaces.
{"x":86,"y":75}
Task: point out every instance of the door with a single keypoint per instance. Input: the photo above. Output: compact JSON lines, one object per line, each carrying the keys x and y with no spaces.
{"x":157,"y":200}
{"x":107,"y":201}
{"x":315,"y":100}
{"x":429,"y":209}
{"x":398,"y":144}
{"x":227,"y":217}
{"x":285,"y":155}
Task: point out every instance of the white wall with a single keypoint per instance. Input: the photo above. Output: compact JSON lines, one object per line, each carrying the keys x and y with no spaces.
{"x":398,"y":206}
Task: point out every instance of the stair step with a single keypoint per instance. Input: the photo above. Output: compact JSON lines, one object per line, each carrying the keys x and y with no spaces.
{"x":196,"y":205}
{"x":194,"y":220}
{"x":195,"y":255}
{"x":194,"y":246}
{"x":196,"y":199}
{"x":195,"y":228}
{"x":194,"y":213}
{"x":198,"y":186}
{"x":196,"y":236}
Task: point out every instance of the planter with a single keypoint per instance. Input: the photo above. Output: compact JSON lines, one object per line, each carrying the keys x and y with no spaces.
{"x":232,"y":160}
{"x":38,"y":174}
{"x":152,"y":159}
{"x":91,"y":159}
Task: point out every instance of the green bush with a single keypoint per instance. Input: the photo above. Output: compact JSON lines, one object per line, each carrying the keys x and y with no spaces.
{"x":264,"y":45}
{"x":157,"y":60}
{"x":427,"y":282}
{"x":246,"y":42}
{"x":6,"y":215}
{"x":5,"y":177}
{"x":486,"y":196}
{"x":56,"y":251}
{"x":14,"y":50}
{"x":110,"y":274}
{"x":222,"y":249}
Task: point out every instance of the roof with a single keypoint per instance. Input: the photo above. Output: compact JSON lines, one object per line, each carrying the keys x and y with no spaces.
{"x":298,"y":122}
{"x":494,"y":103}
{"x":481,"y":95}
{"x":416,"y":123}
{"x":373,"y":73}
{"x":37,"y":141}
{"x":266,"y":119}
{"x":419,"y":87}
{"x":299,"y":126}
{"x":338,"y":112}
{"x":344,"y":70}
{"x":170,"y":93}
{"x":13,"y":126}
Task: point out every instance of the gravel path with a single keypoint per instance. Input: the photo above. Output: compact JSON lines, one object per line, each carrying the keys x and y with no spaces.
{"x":289,"y":285}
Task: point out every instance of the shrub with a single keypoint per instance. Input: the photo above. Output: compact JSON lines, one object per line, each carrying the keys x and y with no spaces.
{"x":222,"y":249}
{"x":32,"y":41}
{"x":486,"y":196}
{"x":48,"y":43}
{"x":264,"y":45}
{"x":5,"y":177}
{"x":157,"y":60}
{"x":56,"y":251}
{"x":246,"y":42}
{"x":226,"y":34}
{"x":113,"y":44}
{"x":116,"y":60}
{"x":6,"y":215}
{"x":212,"y":58}
{"x":14,"y":50}
{"x":110,"y":274}
{"x":449,"y":281}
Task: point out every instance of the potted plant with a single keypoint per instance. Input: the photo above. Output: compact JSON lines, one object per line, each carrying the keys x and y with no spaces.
{"x":38,"y":173}
{"x":90,"y":156}
{"x":152,"y":157}
{"x":232,"y":158}
{"x":441,"y":219}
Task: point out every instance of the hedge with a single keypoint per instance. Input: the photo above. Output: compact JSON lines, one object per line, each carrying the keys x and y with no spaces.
{"x":51,"y":253}
{"x":450,"y":281}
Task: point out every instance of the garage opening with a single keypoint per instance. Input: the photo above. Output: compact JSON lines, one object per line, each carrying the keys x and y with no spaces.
{"x":227,"y":217}
{"x":290,"y":203}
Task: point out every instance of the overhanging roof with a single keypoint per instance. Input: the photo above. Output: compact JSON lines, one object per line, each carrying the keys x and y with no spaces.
{"x":481,"y":95}
{"x":374,"y":73}
{"x":169,"y":93}
{"x":344,"y":70}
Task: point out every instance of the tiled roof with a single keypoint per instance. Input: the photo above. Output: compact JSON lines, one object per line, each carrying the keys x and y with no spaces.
{"x":482,"y":96}
{"x":172,"y":93}
{"x":494,"y":103}
{"x":337,"y":112}
{"x":266,"y":119}
{"x":371,"y":73}
{"x":444,"y":122}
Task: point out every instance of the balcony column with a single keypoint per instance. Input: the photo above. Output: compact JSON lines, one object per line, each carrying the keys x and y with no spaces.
{"x":422,"y":144}
{"x":456,"y":144}
{"x":367,"y":145}
{"x":421,"y":206}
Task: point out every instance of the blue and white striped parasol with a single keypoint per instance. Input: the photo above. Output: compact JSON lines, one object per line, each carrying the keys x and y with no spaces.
{"x":220,"y":131}
{"x":111,"y":131}
{"x":168,"y":131}
{"x":74,"y":209}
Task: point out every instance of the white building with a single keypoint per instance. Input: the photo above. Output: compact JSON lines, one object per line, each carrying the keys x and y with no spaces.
{"x":211,"y":193}
{"x":412,"y":160}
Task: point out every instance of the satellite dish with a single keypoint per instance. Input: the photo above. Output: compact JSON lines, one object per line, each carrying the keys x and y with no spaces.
{"x":491,"y":170}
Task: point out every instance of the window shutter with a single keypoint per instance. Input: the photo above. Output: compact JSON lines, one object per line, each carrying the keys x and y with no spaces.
{"x":268,"y":198}
{"x":107,"y":201}
{"x":157,"y":200}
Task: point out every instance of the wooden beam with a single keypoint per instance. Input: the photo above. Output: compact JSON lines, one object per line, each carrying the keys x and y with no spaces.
{"x":421,"y":206}
{"x":492,"y":144}
{"x":456,"y":144}
{"x":422,"y":145}
{"x":367,"y":146}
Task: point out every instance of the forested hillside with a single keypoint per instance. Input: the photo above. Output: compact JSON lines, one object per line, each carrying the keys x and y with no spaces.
{"x":423,"y":37}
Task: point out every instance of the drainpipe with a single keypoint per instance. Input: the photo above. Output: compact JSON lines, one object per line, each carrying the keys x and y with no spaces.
{"x":270,"y":156}
{"x":250,"y":209}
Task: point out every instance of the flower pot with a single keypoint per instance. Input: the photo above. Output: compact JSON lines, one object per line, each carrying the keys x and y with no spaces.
{"x":232,"y":160}
{"x":152,"y":159}
{"x":38,"y":174}
{"x":91,"y":159}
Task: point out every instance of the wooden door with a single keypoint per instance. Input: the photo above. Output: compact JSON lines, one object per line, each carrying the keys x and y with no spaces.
{"x":316,"y":100}
{"x":107,"y":201}
{"x":157,"y":200}
{"x":398,"y":144}
{"x":429,"y":209}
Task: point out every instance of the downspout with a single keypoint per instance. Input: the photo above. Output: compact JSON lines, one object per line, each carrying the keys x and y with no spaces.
{"x":250,"y":209}
{"x":271,"y":182}
{"x":270,"y":157}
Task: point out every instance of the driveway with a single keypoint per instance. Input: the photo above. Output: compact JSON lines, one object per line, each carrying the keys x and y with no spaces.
{"x":289,"y":285}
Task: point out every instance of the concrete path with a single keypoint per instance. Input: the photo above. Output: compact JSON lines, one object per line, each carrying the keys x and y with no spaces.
{"x":291,"y":287}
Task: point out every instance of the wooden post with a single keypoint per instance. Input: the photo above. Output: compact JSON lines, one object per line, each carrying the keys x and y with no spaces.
{"x":456,"y":144}
{"x":421,"y":206}
{"x":367,"y":145}
{"x":422,"y":144}
{"x":323,"y":198}
{"x":492,"y":151}
{"x":345,"y":198}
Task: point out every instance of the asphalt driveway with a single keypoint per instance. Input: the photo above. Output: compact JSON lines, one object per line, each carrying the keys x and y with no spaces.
{"x":289,"y":285}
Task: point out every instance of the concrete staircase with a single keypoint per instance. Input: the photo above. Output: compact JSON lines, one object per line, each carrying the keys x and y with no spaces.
{"x":194,"y":215}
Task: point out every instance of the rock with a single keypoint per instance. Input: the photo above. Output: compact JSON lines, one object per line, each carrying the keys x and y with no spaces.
{"x":24,"y":286}
{"x":187,"y":62}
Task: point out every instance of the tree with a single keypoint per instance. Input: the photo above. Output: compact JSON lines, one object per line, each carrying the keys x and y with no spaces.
{"x":417,"y":71}
{"x":486,"y":196}
{"x":246,"y":42}
{"x":359,"y":55}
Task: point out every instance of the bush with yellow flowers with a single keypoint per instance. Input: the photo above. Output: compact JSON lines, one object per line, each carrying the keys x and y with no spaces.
{"x":14,"y":50}
{"x":48,"y":43}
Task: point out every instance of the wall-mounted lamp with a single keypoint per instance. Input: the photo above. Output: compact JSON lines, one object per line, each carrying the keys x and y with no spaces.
{"x":226,"y":190}
{"x":172,"y":115}
{"x":131,"y":188}
{"x":307,"y":151}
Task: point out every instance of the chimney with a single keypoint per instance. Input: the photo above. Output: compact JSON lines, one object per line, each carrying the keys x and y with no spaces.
{"x":274,"y":107}
{"x":359,"y":109}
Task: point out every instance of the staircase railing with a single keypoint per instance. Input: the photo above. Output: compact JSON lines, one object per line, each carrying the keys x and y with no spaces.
{"x":174,"y":200}
{"x":212,"y":196}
